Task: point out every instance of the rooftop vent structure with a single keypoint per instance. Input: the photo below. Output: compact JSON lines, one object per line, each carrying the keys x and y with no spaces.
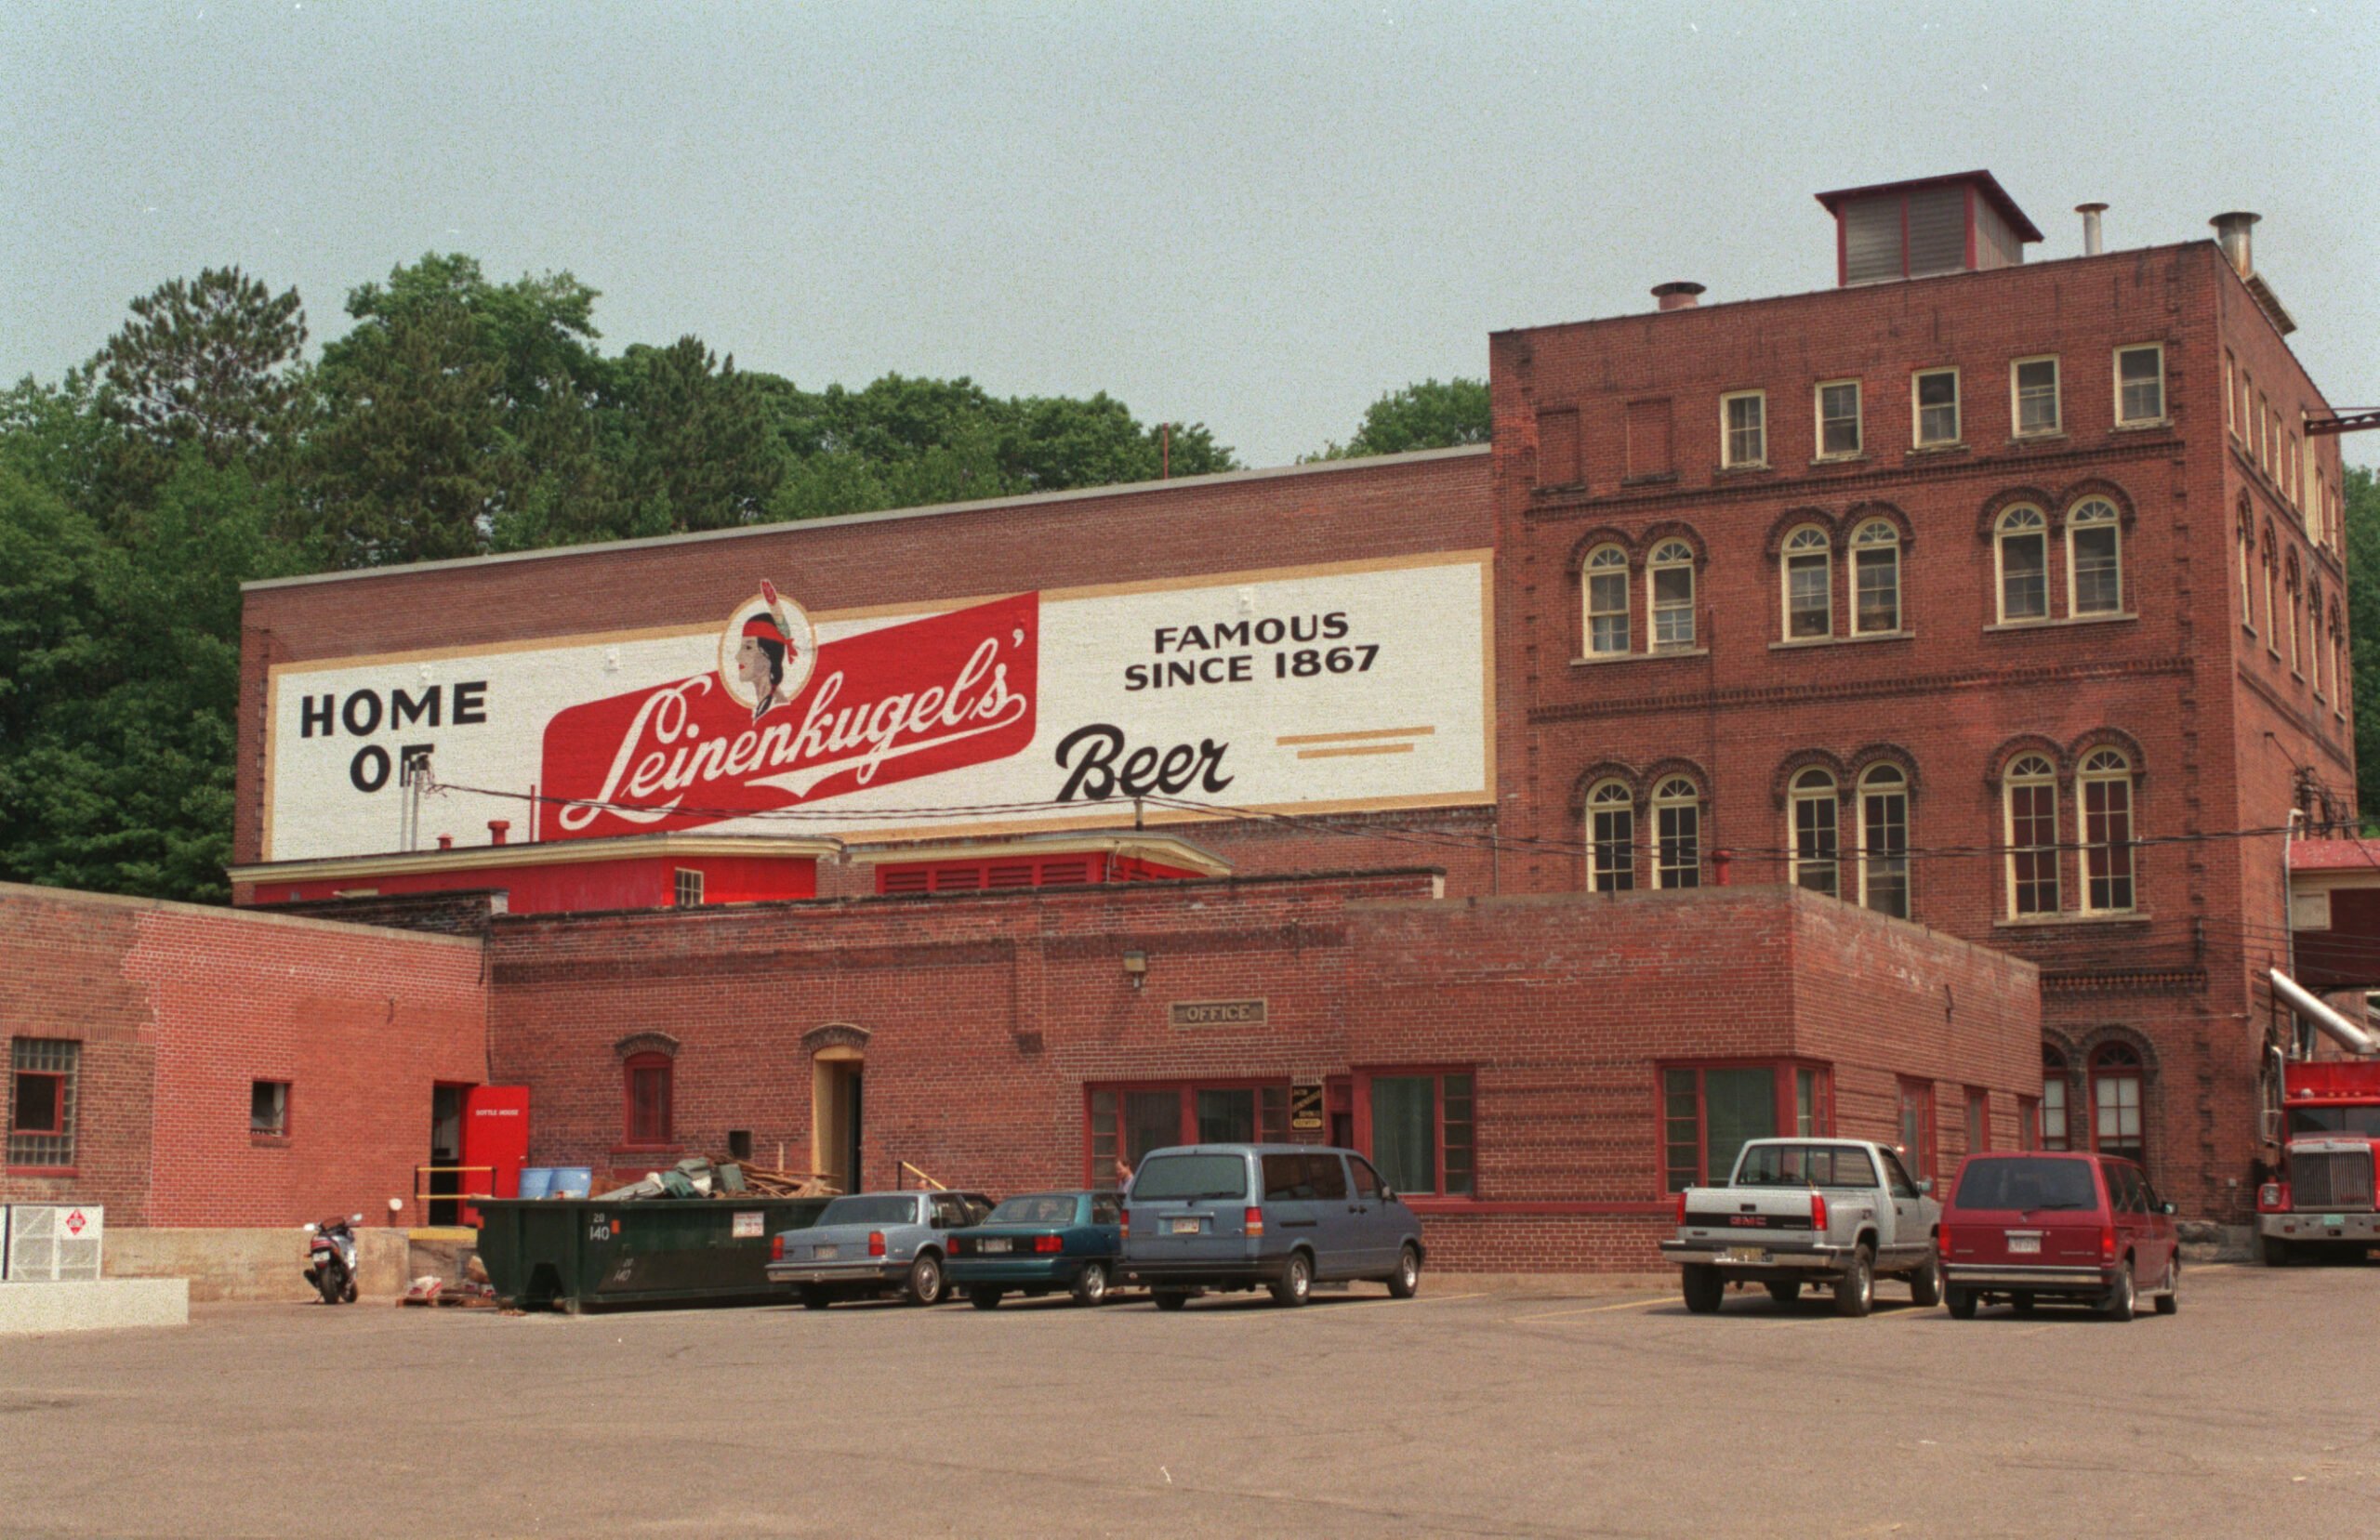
{"x":1962,"y":223}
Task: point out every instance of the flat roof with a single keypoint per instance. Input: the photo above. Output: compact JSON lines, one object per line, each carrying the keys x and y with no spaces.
{"x":845,"y":521}
{"x":544,"y":852}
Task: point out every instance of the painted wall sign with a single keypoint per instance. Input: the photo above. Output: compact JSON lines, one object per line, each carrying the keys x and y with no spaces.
{"x":1216,"y":1013}
{"x":1357,"y":685}
{"x":1305,"y":1107}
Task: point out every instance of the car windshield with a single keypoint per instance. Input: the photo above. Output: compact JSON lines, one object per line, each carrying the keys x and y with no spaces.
{"x":1805,"y":1165}
{"x":2336,"y":1120}
{"x":870,"y":1209}
{"x":2027,"y":1185}
{"x":1191,"y":1177}
{"x":1041,"y":1209}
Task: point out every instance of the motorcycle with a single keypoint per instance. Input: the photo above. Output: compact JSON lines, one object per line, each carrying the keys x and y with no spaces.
{"x":330,"y":1259}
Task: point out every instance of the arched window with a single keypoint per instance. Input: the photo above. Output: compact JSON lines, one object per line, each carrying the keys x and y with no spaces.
{"x":2296,"y":614}
{"x":1611,"y":837}
{"x":1677,"y":832}
{"x":2272,"y":608}
{"x":1670,"y":575}
{"x":2107,"y":832}
{"x":1884,"y":840}
{"x":2247,"y":572}
{"x":2314,"y":634}
{"x":2093,"y":559}
{"x":2115,"y":1102}
{"x":1816,"y":848}
{"x":650,"y":1093}
{"x":1875,"y":578}
{"x":2053,"y":1133}
{"x":1809,"y":584}
{"x":2029,"y":790}
{"x":1606,"y":601}
{"x":2021,"y":549}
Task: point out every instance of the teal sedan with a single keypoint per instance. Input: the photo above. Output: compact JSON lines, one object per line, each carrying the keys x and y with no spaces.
{"x":1040,"y":1243}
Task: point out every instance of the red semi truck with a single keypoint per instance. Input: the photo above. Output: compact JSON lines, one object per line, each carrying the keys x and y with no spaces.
{"x":2321,"y":1199}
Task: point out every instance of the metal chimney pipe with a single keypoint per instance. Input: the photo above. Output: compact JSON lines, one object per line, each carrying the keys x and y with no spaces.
{"x":2231,"y":233}
{"x":2090,"y":213}
{"x":1676,"y":295}
{"x":2354,"y":1039}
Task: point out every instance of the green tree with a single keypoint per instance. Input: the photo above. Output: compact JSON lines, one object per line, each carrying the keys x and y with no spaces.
{"x":2363,"y":501}
{"x":1428,"y":415}
{"x":216,"y":361}
{"x":697,"y":446}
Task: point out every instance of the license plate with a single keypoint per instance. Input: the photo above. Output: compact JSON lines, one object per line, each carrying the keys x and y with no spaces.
{"x":1185,"y":1227}
{"x":999,"y":1246}
{"x":825,"y":1254}
{"x":2334,"y":1222}
{"x":2024,"y":1246}
{"x":1744,"y":1253}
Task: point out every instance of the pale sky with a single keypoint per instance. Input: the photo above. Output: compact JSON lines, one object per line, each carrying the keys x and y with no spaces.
{"x":1259,"y":217}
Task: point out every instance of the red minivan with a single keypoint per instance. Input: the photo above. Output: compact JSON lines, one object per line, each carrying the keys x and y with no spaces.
{"x":2043,"y":1224}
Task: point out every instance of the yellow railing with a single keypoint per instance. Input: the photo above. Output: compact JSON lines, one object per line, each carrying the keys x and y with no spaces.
{"x":421,"y":1174}
{"x":924,"y":1177}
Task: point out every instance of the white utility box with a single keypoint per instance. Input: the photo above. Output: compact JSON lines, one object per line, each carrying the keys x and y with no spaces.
{"x":51,"y":1243}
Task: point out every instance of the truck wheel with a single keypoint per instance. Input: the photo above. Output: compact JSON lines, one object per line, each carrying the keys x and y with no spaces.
{"x":924,"y":1286}
{"x":2277,"y":1253}
{"x":2169,"y":1298}
{"x":1854,"y":1292}
{"x":816,"y":1297}
{"x":1297,"y":1280}
{"x":1785,"y":1291}
{"x":1961,"y":1303}
{"x":2121,"y":1294}
{"x":1925,"y":1283}
{"x":1705,"y":1287}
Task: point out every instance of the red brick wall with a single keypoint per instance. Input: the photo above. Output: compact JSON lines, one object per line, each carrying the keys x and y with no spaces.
{"x":181,"y":1008}
{"x":2214,"y":727}
{"x":985,"y":1018}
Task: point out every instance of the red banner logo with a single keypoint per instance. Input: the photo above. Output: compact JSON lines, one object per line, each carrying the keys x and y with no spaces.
{"x":892,"y":705}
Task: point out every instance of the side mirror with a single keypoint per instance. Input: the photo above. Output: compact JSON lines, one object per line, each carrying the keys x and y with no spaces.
{"x":1925,"y":1186}
{"x":1387,"y":1193}
{"x":2167,"y":1208}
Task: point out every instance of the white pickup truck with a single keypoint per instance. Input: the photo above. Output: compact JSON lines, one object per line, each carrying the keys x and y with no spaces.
{"x":1800,"y":1211}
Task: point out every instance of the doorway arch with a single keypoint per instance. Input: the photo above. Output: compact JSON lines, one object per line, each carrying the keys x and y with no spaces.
{"x":838,"y":1129}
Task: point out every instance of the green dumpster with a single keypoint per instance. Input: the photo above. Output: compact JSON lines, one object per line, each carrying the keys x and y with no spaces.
{"x":581,"y":1254}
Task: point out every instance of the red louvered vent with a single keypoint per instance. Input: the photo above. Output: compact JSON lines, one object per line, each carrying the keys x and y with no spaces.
{"x":1012,"y":873}
{"x":1054,"y":873}
{"x":957,"y":879}
{"x":901,"y":879}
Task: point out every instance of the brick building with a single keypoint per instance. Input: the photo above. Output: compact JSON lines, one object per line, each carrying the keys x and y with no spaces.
{"x":1862,"y":710}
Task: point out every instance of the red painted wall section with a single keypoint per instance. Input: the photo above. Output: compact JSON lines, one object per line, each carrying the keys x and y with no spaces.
{"x":552,"y":888}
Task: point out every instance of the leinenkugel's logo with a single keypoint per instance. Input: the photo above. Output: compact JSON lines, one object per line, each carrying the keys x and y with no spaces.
{"x":787,"y":720}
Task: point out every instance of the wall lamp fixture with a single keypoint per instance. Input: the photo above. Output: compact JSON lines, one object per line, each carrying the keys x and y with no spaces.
{"x":1136,"y":967}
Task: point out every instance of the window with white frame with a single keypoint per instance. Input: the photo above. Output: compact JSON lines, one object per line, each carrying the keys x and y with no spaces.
{"x":2140,"y":384}
{"x":2105,"y":795}
{"x":1884,"y":840}
{"x":1745,"y":418}
{"x":686,"y":887}
{"x":2020,"y":551}
{"x":1934,"y":401}
{"x":1809,"y":584}
{"x":1677,"y":832}
{"x":2029,"y":794}
{"x":2247,"y":573}
{"x":1817,"y":849}
{"x":1840,"y":430}
{"x":1611,"y":837}
{"x":2053,"y":1078}
{"x":1670,"y":575}
{"x":2033,"y":397}
{"x":2231,"y":400}
{"x":2093,"y":559}
{"x":2297,"y":614}
{"x":2293,"y":460}
{"x":1607,"y":589}
{"x":1875,"y":577}
{"x":2314,"y":634}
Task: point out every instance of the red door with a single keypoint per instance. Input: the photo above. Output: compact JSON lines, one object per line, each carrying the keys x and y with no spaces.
{"x":496,"y":1134}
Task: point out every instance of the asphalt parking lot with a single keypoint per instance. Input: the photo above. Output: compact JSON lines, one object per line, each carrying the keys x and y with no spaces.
{"x":1459,"y":1413}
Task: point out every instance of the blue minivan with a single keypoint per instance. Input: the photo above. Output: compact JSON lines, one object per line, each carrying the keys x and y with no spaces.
{"x":1282,"y":1216}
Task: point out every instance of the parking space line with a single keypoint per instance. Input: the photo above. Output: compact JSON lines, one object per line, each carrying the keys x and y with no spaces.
{"x":1446,"y":1298}
{"x":1594,"y":1310}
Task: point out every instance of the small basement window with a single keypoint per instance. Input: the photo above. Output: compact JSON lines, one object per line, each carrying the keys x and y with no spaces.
{"x":269,"y":1109}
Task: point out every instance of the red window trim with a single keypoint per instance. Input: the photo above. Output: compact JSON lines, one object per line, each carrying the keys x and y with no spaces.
{"x":1189,"y":1103}
{"x":2029,"y":1121}
{"x":1363,"y":1076}
{"x":1787,"y":1109}
{"x":1982,"y":1127}
{"x":629,"y":1068}
{"x":57,"y":1100}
